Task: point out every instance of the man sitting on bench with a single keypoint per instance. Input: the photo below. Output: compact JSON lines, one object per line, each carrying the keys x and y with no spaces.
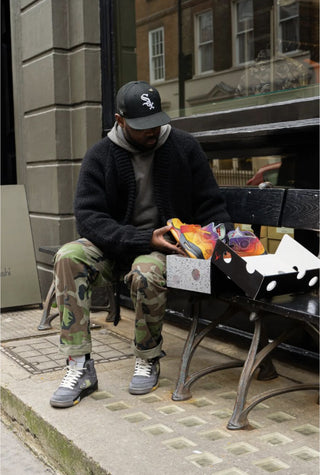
{"x":131,"y":182}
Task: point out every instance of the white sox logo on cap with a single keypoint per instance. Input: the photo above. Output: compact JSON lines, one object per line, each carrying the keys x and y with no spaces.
{"x":147,"y":102}
{"x":140,"y":104}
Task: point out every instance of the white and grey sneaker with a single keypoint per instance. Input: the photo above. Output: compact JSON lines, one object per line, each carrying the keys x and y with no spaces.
{"x":77,"y":383}
{"x":146,"y":375}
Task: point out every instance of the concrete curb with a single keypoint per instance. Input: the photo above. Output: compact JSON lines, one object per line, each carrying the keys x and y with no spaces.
{"x":60,"y":452}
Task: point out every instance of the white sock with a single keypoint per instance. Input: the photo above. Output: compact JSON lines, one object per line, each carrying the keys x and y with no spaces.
{"x":76,"y":360}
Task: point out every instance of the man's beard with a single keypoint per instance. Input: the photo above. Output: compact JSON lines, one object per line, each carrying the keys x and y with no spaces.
{"x":143,"y":147}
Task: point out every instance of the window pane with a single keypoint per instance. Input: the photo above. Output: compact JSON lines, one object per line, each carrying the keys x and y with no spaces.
{"x":206,"y":58}
{"x":246,"y":51}
{"x":157,"y":54}
{"x":245,"y":15}
{"x":290,"y":36}
{"x":205,"y":28}
{"x":288,"y":11}
{"x":245,"y":45}
{"x":158,"y":68}
{"x":205,"y":42}
{"x":289,"y":26}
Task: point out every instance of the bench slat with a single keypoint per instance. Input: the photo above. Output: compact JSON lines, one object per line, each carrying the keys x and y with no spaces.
{"x":254,"y":205}
{"x":52,"y":250}
{"x":303,"y":307}
{"x":301,"y":209}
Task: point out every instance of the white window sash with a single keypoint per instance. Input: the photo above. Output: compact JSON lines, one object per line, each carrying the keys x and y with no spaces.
{"x":156,"y":55}
{"x":281,"y":25}
{"x":201,"y":46}
{"x":239,"y":35}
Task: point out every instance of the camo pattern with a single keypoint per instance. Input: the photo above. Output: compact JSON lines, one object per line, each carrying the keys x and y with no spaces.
{"x":80,"y":265}
{"x":147,"y":282}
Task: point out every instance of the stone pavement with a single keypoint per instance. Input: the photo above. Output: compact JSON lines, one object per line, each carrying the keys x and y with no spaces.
{"x":16,"y":456}
{"x":113,"y":432}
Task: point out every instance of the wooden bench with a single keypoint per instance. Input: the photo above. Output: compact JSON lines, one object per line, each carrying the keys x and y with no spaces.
{"x":278,"y":207}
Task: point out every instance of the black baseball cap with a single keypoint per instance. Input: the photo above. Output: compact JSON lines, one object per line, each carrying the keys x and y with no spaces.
{"x":140,"y":104}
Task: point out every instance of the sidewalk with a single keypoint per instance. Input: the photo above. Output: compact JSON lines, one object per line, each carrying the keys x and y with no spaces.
{"x":113,"y":432}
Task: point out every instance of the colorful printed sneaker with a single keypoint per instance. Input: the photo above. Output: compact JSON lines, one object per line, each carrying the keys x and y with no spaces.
{"x":219,"y":230}
{"x":77,"y":383}
{"x":245,"y":243}
{"x":197,"y":242}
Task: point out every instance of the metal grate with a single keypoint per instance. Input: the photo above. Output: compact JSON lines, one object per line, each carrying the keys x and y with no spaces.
{"x":41,"y":355}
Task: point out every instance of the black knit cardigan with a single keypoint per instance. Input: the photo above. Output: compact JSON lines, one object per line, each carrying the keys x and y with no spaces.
{"x":184,"y":187}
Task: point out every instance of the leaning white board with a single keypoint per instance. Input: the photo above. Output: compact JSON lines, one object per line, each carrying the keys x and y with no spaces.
{"x":19,"y":277}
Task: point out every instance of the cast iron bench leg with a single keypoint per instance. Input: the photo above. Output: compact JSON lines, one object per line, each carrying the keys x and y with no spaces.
{"x":45,"y":323}
{"x":267,"y":371}
{"x":239,"y":418}
{"x":182,"y":391}
{"x":111,"y":307}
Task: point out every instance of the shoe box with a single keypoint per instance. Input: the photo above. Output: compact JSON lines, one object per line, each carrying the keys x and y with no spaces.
{"x":290,"y":268}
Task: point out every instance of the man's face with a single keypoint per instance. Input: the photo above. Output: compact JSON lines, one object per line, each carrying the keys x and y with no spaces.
{"x":143,"y":140}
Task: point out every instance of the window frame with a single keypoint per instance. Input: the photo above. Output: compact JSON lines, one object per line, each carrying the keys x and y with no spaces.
{"x":152,"y":57}
{"x":236,"y":35}
{"x":198,"y":45}
{"x":279,"y":23}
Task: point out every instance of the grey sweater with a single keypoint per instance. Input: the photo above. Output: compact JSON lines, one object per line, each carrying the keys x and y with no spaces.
{"x":145,"y":214}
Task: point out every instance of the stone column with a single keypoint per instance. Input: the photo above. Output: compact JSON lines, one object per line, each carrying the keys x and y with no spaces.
{"x":57,"y":105}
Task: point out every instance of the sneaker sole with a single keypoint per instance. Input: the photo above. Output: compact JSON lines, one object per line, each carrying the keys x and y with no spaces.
{"x":191,"y":249}
{"x":83,"y":394}
{"x":143,"y":391}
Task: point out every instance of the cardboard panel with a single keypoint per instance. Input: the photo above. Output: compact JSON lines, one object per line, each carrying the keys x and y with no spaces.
{"x":19,"y":277}
{"x":189,"y":274}
{"x":278,"y":233}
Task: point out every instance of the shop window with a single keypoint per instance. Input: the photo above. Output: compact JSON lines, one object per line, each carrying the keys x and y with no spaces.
{"x":244,"y":31}
{"x":288,"y":14}
{"x":231,"y":172}
{"x":204,"y":42}
{"x":156,"y":55}
{"x":283,"y":170}
{"x":243,"y":54}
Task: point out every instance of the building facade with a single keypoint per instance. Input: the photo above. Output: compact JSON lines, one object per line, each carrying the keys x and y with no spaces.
{"x":241,"y":75}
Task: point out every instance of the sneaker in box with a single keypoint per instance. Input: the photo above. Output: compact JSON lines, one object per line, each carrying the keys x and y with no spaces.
{"x":291,"y":268}
{"x":186,"y":273}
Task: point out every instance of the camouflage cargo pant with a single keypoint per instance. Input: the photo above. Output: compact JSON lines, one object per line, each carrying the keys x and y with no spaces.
{"x":80,"y":265}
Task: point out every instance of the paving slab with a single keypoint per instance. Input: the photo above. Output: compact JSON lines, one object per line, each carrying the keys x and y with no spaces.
{"x":113,"y":432}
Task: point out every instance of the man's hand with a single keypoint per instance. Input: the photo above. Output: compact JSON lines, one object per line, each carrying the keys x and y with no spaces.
{"x":159,"y":242}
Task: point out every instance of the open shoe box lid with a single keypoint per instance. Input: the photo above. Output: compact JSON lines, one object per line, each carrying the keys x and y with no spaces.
{"x":292,"y":268}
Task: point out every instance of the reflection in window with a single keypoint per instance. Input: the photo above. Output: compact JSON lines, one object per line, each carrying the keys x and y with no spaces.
{"x":156,"y":55}
{"x":249,"y":171}
{"x":286,"y":170}
{"x":204,"y":28}
{"x":252,"y":35}
{"x":288,"y":25}
{"x":244,"y":31}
